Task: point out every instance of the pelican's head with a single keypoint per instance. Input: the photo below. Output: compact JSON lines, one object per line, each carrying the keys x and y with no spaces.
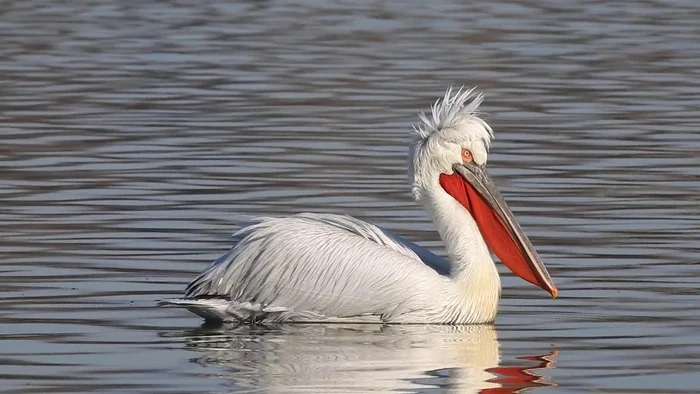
{"x":449,"y":153}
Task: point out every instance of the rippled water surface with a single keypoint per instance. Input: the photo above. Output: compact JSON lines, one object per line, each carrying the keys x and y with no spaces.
{"x":135,"y":136}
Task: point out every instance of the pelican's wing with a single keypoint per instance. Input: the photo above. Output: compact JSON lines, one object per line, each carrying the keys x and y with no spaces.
{"x":322,"y":264}
{"x":439,"y":264}
{"x":386,"y":238}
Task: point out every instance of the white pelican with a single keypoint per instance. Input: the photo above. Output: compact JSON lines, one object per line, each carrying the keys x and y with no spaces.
{"x":333,"y":268}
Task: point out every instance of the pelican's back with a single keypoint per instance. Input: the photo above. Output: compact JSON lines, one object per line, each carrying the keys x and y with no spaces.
{"x":312,"y":267}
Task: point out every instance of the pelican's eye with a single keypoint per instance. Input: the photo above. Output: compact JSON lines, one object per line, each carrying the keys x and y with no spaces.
{"x":467,"y":156}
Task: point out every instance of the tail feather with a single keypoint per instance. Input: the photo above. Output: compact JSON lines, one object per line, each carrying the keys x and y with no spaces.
{"x":210,"y":309}
{"x":222,"y":310}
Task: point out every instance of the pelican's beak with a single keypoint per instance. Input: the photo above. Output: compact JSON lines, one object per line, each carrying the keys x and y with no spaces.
{"x":473,"y":188}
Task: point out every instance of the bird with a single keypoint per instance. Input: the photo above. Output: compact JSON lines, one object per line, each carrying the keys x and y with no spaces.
{"x":326,"y":268}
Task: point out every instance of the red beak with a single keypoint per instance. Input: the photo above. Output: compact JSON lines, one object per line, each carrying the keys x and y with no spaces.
{"x":471,"y":186}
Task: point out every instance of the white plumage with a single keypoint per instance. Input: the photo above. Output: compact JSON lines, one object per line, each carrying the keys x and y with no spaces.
{"x":323,"y":267}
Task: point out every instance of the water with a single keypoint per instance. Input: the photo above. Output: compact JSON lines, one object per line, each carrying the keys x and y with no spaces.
{"x":136,"y":135}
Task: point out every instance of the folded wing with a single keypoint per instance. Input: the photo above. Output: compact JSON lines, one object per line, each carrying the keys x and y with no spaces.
{"x":318,"y":266}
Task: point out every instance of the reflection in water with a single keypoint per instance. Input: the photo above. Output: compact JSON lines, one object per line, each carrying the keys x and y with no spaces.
{"x":463,"y":359}
{"x":518,"y":379}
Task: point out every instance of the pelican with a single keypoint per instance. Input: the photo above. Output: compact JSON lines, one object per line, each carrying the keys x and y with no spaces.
{"x":314,"y":267}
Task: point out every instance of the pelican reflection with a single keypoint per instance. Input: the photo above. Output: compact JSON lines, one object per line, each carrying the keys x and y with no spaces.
{"x":362,"y":358}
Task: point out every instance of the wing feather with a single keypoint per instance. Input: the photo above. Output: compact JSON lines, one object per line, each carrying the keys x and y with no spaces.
{"x":320,"y":264}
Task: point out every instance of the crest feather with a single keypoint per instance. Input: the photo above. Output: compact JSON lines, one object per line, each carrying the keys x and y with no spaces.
{"x":451,"y":110}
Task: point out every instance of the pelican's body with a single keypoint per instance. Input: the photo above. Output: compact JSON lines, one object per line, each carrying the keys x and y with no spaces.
{"x":323,"y":267}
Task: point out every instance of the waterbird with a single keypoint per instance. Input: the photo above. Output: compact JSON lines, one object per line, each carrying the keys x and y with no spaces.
{"x":318,"y":267}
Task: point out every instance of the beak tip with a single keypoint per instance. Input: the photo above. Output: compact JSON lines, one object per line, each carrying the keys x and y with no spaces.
{"x":555,"y":293}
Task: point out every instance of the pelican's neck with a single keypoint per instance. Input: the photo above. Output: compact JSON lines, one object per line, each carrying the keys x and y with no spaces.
{"x":473,"y":269}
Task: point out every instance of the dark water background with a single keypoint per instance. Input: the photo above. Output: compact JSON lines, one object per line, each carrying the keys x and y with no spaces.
{"x":135,"y":134}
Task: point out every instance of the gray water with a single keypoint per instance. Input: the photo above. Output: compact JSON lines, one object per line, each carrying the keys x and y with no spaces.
{"x":135,"y":136}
